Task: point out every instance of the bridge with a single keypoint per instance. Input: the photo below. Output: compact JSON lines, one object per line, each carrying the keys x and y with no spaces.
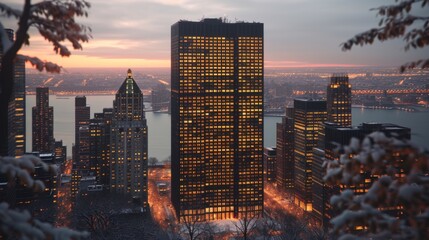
{"x":370,"y":91}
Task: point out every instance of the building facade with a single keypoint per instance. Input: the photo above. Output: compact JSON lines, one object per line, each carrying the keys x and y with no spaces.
{"x":128,"y":143}
{"x":217,"y":119}
{"x":16,"y":107}
{"x":270,"y":163}
{"x":60,"y":152}
{"x":285,"y":161}
{"x":308,"y":116}
{"x":43,"y":123}
{"x":339,"y":100}
{"x":81,"y":118}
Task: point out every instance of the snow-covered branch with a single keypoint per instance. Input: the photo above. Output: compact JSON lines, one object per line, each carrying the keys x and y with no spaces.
{"x":16,"y":224}
{"x":40,"y":64}
{"x":10,"y":12}
{"x":401,"y":186}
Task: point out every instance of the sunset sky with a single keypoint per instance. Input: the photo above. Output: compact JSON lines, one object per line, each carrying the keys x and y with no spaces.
{"x":298,"y":33}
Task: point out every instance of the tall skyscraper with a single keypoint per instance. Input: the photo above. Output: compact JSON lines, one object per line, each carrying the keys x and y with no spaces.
{"x":16,"y":108}
{"x":80,"y":166}
{"x":308,"y":116}
{"x":81,"y":115}
{"x":270,"y":163}
{"x":129,"y":152}
{"x":285,"y":161}
{"x":339,"y":100}
{"x":43,"y":123}
{"x":104,"y":176}
{"x":60,"y":151}
{"x":217,"y":119}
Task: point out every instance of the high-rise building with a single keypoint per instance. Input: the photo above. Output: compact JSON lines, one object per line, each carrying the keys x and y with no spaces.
{"x":308,"y":116}
{"x":97,"y":144}
{"x":104,"y":175}
{"x":339,"y":100}
{"x":81,"y":115}
{"x":16,"y":107}
{"x":128,"y":145}
{"x":285,"y":160}
{"x":83,"y":164}
{"x":270,"y":163}
{"x":80,"y":166}
{"x":60,"y":151}
{"x":334,"y":136}
{"x":43,"y":123}
{"x":217,"y":119}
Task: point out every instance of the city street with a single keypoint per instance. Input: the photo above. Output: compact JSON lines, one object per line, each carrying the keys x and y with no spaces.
{"x":160,"y":203}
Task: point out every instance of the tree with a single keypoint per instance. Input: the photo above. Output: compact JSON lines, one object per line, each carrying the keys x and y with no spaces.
{"x":153,"y":161}
{"x":293,"y":228}
{"x":55,"y":21}
{"x":246,"y":225}
{"x":16,"y":224}
{"x":192,"y":227}
{"x":402,"y":184}
{"x":397,"y":20}
{"x":268,"y":228}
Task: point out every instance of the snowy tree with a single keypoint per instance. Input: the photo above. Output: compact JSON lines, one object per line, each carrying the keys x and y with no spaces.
{"x":268,"y":228}
{"x":398,"y":20}
{"x":246,"y":225}
{"x":192,"y":227}
{"x":16,"y":224}
{"x":401,"y":185}
{"x":153,"y":161}
{"x":55,"y":21}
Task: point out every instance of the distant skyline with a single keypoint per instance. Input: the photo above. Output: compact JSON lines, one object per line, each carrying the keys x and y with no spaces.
{"x":298,"y":33}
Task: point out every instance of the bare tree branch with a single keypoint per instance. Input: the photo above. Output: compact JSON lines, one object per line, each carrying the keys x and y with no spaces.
{"x":395,"y":21}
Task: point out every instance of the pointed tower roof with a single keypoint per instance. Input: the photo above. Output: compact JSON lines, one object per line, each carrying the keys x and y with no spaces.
{"x":129,"y":86}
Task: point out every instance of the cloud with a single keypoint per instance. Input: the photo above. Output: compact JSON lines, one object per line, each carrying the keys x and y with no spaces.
{"x":304,"y":31}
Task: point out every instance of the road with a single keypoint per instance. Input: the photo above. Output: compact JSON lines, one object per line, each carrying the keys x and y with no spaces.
{"x":65,"y":204}
{"x":160,"y":203}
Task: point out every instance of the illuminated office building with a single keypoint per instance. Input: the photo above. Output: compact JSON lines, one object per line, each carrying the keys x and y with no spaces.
{"x":60,"y":151}
{"x":16,"y":107}
{"x":104,"y":175}
{"x":128,"y":145}
{"x":43,"y":123}
{"x":217,"y":119}
{"x":285,"y":160}
{"x":99,"y":148}
{"x":308,"y":116}
{"x":81,"y":116}
{"x":270,"y":163}
{"x":339,"y":100}
{"x":80,"y":165}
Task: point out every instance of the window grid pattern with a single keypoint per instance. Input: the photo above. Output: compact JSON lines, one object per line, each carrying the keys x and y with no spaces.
{"x":217,"y":86}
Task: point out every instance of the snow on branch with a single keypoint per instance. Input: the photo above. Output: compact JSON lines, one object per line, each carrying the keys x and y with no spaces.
{"x":10,"y":12}
{"x":55,"y":20}
{"x":15,"y":224}
{"x":401,"y":185}
{"x":21,"y":168}
{"x":40,"y":64}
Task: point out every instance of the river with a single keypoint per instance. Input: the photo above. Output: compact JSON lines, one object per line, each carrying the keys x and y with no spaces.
{"x":160,"y":130}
